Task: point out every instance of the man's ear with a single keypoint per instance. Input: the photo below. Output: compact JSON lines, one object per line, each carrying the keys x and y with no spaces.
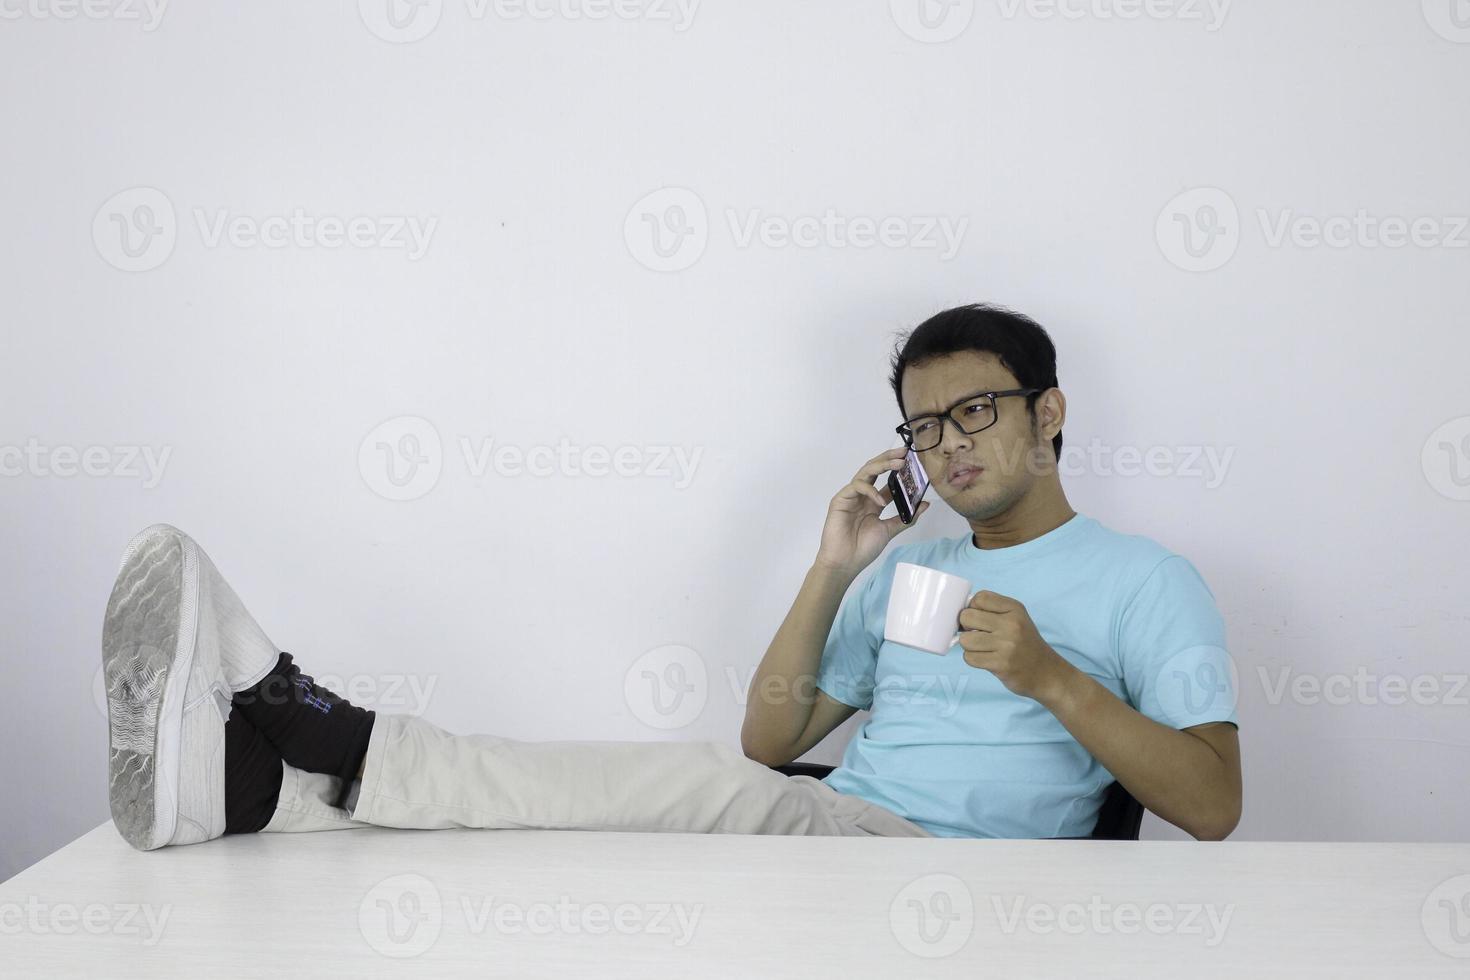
{"x":1051,"y":412}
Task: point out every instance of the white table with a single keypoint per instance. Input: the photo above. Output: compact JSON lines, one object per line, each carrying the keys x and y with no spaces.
{"x":531,"y":904}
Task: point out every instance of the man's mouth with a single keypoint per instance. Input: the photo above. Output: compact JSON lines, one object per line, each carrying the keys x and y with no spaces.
{"x":961,"y":475}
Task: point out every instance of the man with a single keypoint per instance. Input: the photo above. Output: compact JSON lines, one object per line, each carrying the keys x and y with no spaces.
{"x":214,"y":730}
{"x":1086,"y":656}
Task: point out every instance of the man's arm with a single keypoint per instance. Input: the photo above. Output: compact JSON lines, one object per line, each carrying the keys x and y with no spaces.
{"x":785,"y":713}
{"x":1190,"y":777}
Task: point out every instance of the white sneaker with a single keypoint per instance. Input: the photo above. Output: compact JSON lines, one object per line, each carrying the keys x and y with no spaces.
{"x":176,"y":643}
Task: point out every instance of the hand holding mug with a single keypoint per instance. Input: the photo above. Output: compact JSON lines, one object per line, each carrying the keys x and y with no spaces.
{"x":998,"y":635}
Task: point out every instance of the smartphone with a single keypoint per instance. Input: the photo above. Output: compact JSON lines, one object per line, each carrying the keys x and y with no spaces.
{"x":908,"y":486}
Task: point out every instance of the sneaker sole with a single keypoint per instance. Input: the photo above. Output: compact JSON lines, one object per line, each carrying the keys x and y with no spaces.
{"x":147,"y":652}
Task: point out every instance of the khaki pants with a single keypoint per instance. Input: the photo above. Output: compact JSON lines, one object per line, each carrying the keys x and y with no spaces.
{"x":418,"y":776}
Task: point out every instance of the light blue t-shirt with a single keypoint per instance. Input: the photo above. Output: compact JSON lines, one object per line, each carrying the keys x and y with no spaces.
{"x":950,"y":748}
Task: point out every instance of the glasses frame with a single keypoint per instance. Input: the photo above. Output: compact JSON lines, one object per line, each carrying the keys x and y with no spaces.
{"x":905,"y":430}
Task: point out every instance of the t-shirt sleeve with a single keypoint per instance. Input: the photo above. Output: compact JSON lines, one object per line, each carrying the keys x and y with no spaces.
{"x":850,"y":657}
{"x":1171,"y":644}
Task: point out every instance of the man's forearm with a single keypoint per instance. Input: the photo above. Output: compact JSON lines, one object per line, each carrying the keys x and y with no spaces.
{"x":1177,"y":775}
{"x":779,"y":702}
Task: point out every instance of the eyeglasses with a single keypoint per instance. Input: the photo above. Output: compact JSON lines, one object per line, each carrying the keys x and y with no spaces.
{"x":970,"y":415}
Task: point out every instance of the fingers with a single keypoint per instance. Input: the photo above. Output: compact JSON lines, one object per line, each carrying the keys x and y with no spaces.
{"x":884,"y":462}
{"x":978,"y":641}
{"x":992,"y":602}
{"x":895,"y":523}
{"x":871,"y":492}
{"x":974,"y":619}
{"x":862,"y":482}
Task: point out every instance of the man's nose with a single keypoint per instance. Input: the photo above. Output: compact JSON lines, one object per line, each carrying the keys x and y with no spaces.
{"x":953,"y":439}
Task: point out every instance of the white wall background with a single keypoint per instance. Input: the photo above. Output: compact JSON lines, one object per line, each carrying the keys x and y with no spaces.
{"x":519,"y":604}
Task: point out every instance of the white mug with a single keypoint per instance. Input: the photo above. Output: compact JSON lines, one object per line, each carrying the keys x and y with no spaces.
{"x":924,"y":608}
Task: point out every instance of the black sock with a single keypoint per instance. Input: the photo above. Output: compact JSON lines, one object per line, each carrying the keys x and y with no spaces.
{"x":312,"y":728}
{"x":252,"y":776}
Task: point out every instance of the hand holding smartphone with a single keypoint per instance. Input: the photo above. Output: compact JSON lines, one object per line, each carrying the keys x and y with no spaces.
{"x":908,"y":486}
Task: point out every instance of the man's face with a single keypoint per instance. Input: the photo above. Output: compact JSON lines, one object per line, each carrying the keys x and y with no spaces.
{"x":984,"y":474}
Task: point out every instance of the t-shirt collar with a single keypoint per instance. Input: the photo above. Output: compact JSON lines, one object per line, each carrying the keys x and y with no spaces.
{"x":1044,"y":544}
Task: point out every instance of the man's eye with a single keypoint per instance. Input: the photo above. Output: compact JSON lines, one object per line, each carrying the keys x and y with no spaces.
{"x":977,"y":408}
{"x":922,"y":426}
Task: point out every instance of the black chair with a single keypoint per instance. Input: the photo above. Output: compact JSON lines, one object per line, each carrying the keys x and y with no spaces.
{"x":1119,"y":818}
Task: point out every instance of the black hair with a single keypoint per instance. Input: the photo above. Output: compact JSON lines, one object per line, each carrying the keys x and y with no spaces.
{"x":1022,"y":345}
